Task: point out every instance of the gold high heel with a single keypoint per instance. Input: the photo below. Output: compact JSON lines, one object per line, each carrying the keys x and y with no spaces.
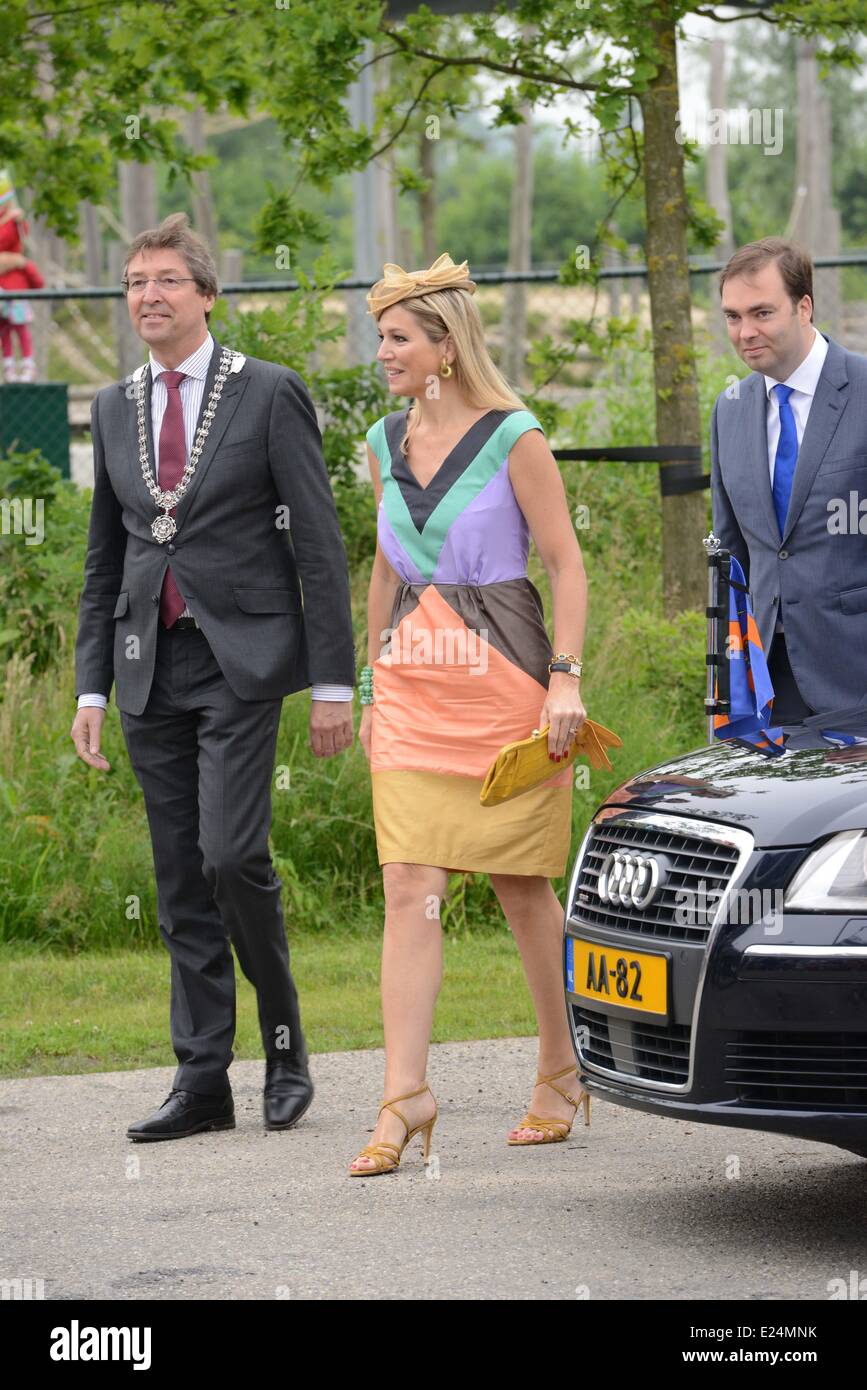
{"x":554,"y":1130}
{"x":389,"y":1162}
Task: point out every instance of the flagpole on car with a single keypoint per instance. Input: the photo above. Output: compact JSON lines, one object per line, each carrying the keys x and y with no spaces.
{"x":717,"y":692}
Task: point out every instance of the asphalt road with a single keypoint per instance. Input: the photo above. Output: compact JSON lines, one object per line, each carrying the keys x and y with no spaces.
{"x":632,"y":1208}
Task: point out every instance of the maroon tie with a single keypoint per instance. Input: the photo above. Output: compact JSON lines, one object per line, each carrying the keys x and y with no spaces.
{"x":172,"y":460}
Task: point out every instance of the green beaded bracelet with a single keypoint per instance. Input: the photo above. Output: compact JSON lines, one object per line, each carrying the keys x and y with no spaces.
{"x":365,"y":686}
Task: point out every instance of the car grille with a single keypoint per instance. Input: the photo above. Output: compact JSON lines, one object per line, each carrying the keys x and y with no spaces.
{"x":645,"y":1051}
{"x":696,"y":865}
{"x":827,"y":1070}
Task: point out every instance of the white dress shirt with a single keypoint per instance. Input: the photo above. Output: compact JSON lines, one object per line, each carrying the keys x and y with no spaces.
{"x":804,"y":380}
{"x":192,"y":389}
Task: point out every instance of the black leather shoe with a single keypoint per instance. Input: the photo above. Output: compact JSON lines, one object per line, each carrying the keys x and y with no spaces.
{"x":288,"y":1093}
{"x":183,"y":1113}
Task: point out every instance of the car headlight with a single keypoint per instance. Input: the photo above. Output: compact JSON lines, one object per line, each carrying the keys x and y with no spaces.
{"x":834,"y":877}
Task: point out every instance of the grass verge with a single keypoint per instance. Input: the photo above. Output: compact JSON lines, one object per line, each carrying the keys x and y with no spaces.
{"x":110,"y":1012}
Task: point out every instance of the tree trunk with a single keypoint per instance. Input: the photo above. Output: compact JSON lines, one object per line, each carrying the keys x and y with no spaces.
{"x":427,"y":198}
{"x":138,"y":196}
{"x":513,"y":361}
{"x":203,"y":201}
{"x":138,"y":210}
{"x":717,"y":153}
{"x":718,"y":194}
{"x":41,"y":239}
{"x":361,"y":334}
{"x":91,"y":235}
{"x":684,"y":516}
{"x":815,"y":224}
{"x":386,"y":183}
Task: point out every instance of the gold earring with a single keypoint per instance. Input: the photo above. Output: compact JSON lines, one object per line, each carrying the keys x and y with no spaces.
{"x":445,"y":367}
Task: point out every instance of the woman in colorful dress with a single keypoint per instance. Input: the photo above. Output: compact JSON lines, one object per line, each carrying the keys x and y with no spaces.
{"x":459,"y":659}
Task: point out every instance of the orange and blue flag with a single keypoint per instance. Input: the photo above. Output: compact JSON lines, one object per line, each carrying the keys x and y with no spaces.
{"x":751,"y":694}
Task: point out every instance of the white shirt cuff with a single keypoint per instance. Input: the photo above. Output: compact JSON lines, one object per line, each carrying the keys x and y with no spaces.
{"x":320,"y":692}
{"x":332,"y":692}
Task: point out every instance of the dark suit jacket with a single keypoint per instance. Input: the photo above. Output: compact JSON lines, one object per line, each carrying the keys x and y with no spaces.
{"x":814,"y":577}
{"x":241,"y":570}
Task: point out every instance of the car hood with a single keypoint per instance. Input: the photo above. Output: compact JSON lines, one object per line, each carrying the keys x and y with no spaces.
{"x":817,"y":787}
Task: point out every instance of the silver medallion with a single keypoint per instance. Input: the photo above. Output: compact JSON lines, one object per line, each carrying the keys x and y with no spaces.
{"x":164,"y":527}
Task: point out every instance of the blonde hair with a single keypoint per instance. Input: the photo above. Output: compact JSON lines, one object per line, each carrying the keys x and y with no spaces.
{"x":453,"y":313}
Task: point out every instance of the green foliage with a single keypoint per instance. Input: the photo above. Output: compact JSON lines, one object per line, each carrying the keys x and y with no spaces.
{"x":115,"y":73}
{"x":473,"y":188}
{"x":67,"y":880}
{"x":89,"y":88}
{"x":644,"y":675}
{"x":296,"y":332}
{"x":662,"y":662}
{"x":351,"y":399}
{"x":281,"y":222}
{"x":39,"y":575}
{"x":762,"y":76}
{"x":620,"y":408}
{"x":569,"y":201}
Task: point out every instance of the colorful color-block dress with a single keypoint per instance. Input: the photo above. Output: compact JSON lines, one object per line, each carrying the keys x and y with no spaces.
{"x":464,"y":669}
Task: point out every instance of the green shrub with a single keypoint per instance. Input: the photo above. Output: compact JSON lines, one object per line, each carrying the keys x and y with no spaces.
{"x":39,"y":581}
{"x":76,"y":870}
{"x":294,"y":332}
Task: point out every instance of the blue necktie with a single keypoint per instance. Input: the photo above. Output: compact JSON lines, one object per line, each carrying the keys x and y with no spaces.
{"x":786,"y":457}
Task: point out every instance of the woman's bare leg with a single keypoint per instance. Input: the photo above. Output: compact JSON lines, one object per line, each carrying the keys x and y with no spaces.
{"x":535,"y":916}
{"x":412,"y":964}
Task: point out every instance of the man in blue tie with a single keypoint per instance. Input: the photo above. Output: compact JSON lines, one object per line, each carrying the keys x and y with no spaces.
{"x":788,"y":477}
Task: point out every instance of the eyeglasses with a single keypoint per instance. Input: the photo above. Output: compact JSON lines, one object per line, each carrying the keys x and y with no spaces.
{"x":139,"y":284}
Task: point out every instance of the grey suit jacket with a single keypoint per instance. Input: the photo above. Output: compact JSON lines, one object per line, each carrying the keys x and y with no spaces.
{"x":234,"y":560}
{"x":814,"y":576}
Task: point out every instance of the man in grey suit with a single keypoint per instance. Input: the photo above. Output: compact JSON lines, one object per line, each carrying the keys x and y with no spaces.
{"x":789,"y":465}
{"x":212,"y":511}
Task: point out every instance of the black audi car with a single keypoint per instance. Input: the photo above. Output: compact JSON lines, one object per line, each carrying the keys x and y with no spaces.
{"x":715,"y":946}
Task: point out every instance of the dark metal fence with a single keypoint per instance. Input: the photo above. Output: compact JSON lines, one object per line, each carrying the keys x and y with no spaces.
{"x":85,"y":340}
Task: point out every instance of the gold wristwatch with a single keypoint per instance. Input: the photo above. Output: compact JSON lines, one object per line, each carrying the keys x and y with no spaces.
{"x":568,"y":662}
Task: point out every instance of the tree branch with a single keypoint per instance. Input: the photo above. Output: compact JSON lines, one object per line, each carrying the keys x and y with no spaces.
{"x":435,"y":72}
{"x":480,"y":61}
{"x":757,"y":13}
{"x":377,"y":57}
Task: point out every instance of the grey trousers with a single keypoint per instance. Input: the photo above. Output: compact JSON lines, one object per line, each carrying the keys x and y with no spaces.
{"x":204,"y":760}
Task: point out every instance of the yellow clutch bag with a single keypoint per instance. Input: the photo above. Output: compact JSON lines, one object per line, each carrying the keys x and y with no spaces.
{"x":521,"y":766}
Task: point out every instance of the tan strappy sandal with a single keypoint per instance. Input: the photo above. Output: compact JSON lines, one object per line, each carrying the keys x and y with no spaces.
{"x":554,"y":1131}
{"x":387,"y":1156}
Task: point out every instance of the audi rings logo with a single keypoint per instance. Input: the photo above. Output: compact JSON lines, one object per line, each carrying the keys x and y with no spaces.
{"x":630,"y":880}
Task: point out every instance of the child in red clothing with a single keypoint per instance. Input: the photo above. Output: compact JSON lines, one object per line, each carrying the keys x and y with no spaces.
{"x":15,"y":314}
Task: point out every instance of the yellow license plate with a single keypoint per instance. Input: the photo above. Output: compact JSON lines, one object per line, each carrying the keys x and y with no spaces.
{"x":625,"y":979}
